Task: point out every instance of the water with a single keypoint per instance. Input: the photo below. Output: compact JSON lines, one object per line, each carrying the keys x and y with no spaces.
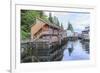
{"x":79,"y":51}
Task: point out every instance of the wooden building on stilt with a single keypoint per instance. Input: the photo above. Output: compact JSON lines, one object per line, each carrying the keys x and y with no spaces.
{"x":47,"y":40}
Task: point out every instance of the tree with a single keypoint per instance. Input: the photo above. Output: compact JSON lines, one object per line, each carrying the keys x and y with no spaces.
{"x":50,"y":18}
{"x":28,"y":17}
{"x":70,"y":27}
{"x":41,"y":14}
{"x":62,"y":26}
{"x":56,"y":21}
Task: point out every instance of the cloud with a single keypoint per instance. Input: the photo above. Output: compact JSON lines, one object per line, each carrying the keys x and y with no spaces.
{"x":78,"y":20}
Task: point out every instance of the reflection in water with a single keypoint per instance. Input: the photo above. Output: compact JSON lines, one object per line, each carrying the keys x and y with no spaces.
{"x":85,"y":46}
{"x":70,"y":48}
{"x":80,"y":50}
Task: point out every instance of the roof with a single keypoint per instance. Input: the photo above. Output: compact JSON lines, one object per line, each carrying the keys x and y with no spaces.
{"x":38,"y":26}
{"x":49,"y":23}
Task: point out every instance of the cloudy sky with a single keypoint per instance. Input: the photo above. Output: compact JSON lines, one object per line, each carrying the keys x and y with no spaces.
{"x":78,"y":20}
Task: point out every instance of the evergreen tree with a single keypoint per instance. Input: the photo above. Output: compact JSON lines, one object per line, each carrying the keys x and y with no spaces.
{"x":56,"y":21}
{"x":70,"y":27}
{"x":41,"y":14}
{"x":62,"y":26}
{"x":50,"y":18}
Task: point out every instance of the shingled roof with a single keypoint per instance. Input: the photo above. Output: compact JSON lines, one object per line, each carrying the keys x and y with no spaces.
{"x":49,"y":23}
{"x":37,"y":27}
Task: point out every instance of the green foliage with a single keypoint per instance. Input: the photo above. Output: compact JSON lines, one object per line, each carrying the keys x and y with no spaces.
{"x":24,"y":35}
{"x":70,"y":27}
{"x":28,"y":17}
